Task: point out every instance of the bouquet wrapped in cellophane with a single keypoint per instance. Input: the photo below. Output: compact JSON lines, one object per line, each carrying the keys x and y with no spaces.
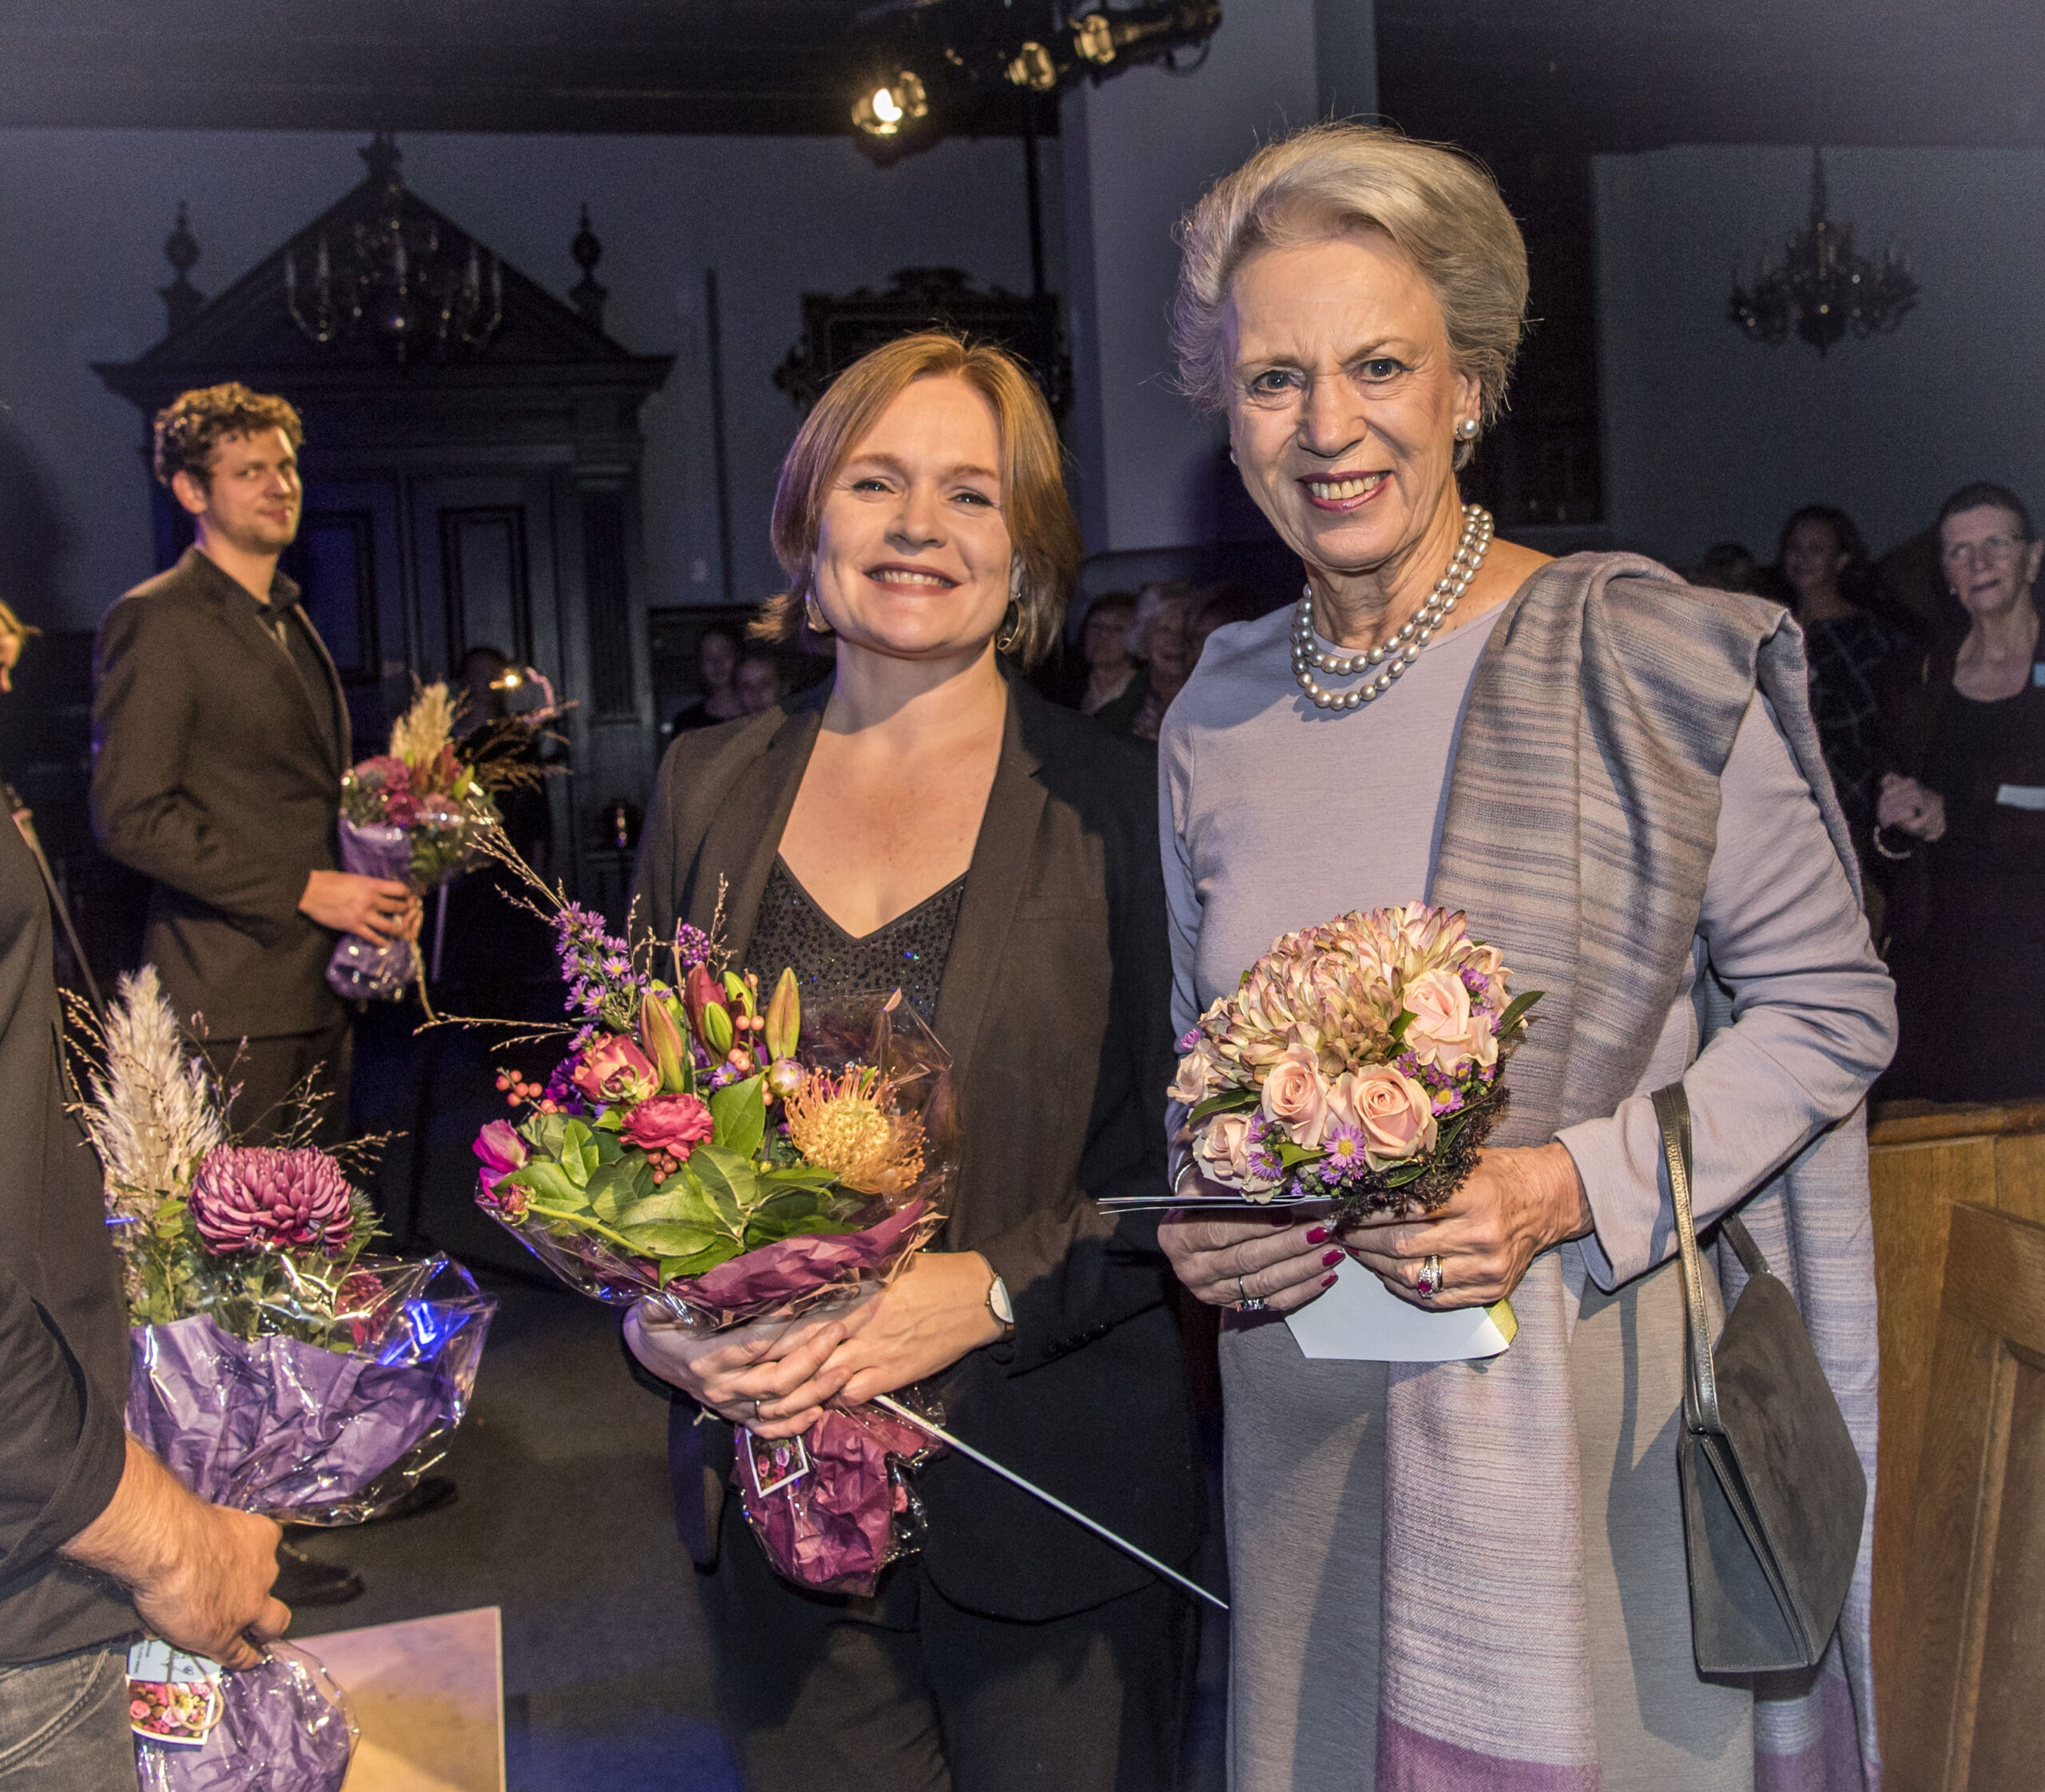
{"x":1360,"y":1063}
{"x":276,"y":1366}
{"x":418,"y":815}
{"x":731,"y":1160}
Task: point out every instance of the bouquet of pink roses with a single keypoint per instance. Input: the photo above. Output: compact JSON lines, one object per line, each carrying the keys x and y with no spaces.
{"x":1359,"y":1061}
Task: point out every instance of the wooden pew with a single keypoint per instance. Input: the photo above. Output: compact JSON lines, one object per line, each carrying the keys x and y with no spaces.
{"x":1924,"y":1160}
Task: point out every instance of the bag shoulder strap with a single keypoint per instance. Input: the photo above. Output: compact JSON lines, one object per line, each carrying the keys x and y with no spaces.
{"x":1672,"y":1109}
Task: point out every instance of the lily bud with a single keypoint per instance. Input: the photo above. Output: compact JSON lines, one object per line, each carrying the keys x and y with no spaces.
{"x":699,"y":989}
{"x":717,"y":1028}
{"x":738,"y":994}
{"x":660,"y":1040}
{"x":785,"y":1076}
{"x":784,"y":1017}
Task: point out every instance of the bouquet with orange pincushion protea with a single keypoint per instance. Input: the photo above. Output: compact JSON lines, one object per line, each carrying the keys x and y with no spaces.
{"x":730,"y":1162}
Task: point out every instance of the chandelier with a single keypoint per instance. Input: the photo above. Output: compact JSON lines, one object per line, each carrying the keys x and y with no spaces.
{"x":1821,"y":286}
{"x":394,"y":282}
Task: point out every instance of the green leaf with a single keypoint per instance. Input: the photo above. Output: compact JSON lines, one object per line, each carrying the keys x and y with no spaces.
{"x":731,"y":1183}
{"x":676,"y":1201}
{"x":771,"y":1225}
{"x":578,"y":1152}
{"x":618,"y":1185}
{"x":1228,"y":1101}
{"x":1400,"y":1175}
{"x":1406,"y":1019}
{"x":739,"y":1112}
{"x":545,"y":1132}
{"x":1292,"y":1156}
{"x":1515,"y":1009}
{"x":798,"y":1176}
{"x":723,"y":1251}
{"x":549,"y":1181}
{"x":667,"y":1238}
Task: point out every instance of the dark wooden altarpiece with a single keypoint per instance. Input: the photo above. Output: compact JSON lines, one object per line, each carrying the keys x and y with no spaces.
{"x":483,"y":497}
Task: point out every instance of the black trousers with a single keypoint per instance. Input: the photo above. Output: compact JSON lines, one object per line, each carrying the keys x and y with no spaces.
{"x":906,"y":1692}
{"x":272,"y":1075}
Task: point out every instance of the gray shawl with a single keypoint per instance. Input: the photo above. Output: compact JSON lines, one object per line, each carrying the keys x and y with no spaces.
{"x":1582,"y":817}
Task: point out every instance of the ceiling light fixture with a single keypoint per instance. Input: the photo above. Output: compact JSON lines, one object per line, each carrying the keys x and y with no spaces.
{"x":887,"y":107}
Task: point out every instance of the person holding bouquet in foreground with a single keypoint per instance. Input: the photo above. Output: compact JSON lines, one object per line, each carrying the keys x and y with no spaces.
{"x":96,"y":1537}
{"x":928,"y":821}
{"x":1471,"y":1574}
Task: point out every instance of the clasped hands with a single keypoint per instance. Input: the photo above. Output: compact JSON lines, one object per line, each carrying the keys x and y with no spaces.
{"x":777,"y":1376}
{"x":1910,"y":808}
{"x":378,"y":909}
{"x":1518,"y":1203}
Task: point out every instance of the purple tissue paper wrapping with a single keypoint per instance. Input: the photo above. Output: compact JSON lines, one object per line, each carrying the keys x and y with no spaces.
{"x":299,"y":1431}
{"x":358,"y":969}
{"x":284,"y":1728}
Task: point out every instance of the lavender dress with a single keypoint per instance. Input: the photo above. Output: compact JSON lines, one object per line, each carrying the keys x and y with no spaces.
{"x":1278,"y":816}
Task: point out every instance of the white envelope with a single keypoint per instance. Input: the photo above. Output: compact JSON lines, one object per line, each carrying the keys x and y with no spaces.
{"x":1359,"y":1320}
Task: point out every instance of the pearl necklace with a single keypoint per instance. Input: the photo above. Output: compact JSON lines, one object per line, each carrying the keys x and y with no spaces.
{"x":1404,"y":647}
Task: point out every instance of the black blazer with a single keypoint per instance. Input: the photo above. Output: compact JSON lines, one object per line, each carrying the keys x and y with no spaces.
{"x":215,"y":774}
{"x":1055,"y":1006}
{"x":63,"y":1327}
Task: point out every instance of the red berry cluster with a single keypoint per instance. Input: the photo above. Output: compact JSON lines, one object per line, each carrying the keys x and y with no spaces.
{"x":516,"y":1089}
{"x":663,"y":1165}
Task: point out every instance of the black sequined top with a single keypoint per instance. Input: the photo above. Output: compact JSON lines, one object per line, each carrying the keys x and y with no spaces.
{"x":907,"y":954}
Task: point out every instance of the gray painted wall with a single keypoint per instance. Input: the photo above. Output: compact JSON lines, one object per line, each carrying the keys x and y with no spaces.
{"x":83,"y":215}
{"x":1709,"y":437}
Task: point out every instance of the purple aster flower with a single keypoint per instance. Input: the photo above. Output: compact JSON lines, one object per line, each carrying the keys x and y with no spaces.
{"x":257,"y":1197}
{"x":1344,"y":1147}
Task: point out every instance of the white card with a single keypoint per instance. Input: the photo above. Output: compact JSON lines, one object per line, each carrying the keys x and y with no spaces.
{"x":1360,"y":1321}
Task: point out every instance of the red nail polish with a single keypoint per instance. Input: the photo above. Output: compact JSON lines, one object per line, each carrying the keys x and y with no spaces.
{"x":1330,"y":1259}
{"x":1318,"y":1235}
{"x":1328,"y":1281}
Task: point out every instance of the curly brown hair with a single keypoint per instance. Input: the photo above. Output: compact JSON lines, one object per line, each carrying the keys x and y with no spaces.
{"x":194,"y":423}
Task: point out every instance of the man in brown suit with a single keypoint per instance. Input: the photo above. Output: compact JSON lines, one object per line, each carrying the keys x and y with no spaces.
{"x":219,"y":735}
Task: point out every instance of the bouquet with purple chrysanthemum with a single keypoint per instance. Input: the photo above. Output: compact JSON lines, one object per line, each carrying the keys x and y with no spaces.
{"x":1360,"y":1063}
{"x":277,"y":1366}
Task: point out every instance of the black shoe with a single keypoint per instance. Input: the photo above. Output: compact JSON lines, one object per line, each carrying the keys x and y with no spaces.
{"x":428,"y":1496}
{"x":302,"y":1581}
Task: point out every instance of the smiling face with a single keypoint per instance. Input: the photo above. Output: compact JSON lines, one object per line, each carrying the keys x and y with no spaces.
{"x":251,"y":496}
{"x":913,"y":550}
{"x":1343,"y":399}
{"x":1988,"y":562}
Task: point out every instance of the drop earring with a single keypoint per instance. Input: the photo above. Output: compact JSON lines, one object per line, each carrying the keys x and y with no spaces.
{"x":812,"y":614}
{"x":1011,"y":620}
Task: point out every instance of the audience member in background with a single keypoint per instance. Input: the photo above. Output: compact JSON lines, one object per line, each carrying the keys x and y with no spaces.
{"x":1962,"y":820}
{"x":1161,"y":637}
{"x":928,"y":819}
{"x":1729,"y":566}
{"x":1824,"y":571}
{"x":718,"y":651}
{"x":1110,"y":690}
{"x":759,"y":681}
{"x":1215,"y":607}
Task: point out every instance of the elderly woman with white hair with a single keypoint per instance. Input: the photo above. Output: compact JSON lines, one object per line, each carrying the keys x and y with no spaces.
{"x":1471,"y":1573}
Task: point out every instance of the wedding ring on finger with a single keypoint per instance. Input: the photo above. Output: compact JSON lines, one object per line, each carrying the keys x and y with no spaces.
{"x":1428,"y":1282}
{"x":1246,"y":1301}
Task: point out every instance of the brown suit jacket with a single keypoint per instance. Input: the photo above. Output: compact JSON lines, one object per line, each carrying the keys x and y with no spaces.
{"x":1055,"y":1006}
{"x":215,"y":774}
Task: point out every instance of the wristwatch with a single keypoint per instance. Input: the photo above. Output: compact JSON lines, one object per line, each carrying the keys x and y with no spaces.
{"x":999,"y":1304}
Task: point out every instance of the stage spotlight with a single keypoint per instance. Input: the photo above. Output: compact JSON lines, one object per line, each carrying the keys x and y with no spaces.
{"x":891,"y":104}
{"x":1094,"y":38}
{"x":1032,"y":67}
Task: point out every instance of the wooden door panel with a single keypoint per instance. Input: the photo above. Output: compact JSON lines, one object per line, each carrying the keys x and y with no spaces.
{"x":1969,"y":1674}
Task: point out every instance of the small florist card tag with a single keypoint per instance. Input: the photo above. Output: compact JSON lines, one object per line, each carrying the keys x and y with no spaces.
{"x":774,"y":1463}
{"x":174,"y":1698}
{"x":1359,"y":1320}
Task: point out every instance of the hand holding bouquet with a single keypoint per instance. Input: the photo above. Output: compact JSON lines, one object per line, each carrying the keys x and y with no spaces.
{"x":731,"y":1161}
{"x":1360,"y":1063}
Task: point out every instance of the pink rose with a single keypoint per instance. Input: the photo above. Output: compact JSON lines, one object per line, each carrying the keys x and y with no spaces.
{"x":1444,"y":1030}
{"x":675,"y":1124}
{"x":615,"y":1070}
{"x":1296,"y":1097}
{"x":1390,"y":1111}
{"x":1222,"y":1148}
{"x":1197,"y":1075}
{"x":500,"y":1150}
{"x":381,"y":768}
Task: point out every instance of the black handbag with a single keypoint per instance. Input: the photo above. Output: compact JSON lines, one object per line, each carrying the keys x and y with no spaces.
{"x":1773,"y":1492}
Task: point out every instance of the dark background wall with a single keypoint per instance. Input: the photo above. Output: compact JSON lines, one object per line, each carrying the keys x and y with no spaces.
{"x":83,"y":214}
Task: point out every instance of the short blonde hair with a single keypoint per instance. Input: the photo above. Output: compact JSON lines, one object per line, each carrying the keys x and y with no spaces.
{"x":1438,"y":205}
{"x":1040,"y":520}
